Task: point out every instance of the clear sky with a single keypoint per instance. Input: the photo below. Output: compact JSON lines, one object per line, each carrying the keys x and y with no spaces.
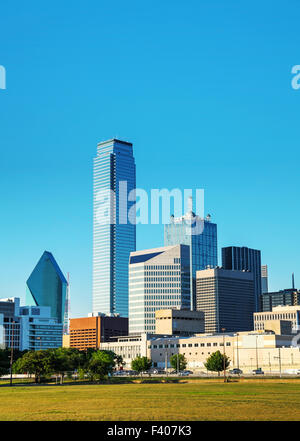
{"x":201,"y":88}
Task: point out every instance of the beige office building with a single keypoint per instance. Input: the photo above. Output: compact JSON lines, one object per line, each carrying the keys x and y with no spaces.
{"x":286,"y":313}
{"x":246,"y":350}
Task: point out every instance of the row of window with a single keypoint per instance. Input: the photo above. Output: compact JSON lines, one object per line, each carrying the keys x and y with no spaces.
{"x":189,"y":345}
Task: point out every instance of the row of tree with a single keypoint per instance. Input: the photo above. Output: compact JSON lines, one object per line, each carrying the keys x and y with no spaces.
{"x":92,"y":363}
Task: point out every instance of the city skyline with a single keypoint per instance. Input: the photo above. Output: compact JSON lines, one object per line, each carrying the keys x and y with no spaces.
{"x":211,"y":107}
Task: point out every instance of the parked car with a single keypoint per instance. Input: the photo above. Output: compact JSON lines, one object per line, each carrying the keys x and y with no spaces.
{"x":120,"y":373}
{"x":258,"y":371}
{"x":157,"y":371}
{"x":184,"y":373}
{"x":236,"y":371}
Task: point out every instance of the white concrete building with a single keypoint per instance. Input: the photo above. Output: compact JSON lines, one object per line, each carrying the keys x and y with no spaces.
{"x":159,"y":278}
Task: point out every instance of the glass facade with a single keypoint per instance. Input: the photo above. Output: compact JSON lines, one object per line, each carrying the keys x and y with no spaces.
{"x":203,"y":246}
{"x":245,"y":259}
{"x":157,"y":280}
{"x":47,"y":286}
{"x":285,"y":297}
{"x":114,"y":238}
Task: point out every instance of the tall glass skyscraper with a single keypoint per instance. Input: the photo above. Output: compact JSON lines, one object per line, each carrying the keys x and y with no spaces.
{"x":47,"y":286}
{"x":201,"y":235}
{"x":114,"y":233}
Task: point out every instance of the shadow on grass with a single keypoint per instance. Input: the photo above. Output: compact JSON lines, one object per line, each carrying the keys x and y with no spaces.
{"x":108,"y":381}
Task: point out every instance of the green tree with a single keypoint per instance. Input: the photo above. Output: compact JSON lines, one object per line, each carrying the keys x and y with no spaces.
{"x":64,"y":360}
{"x":178,"y":360}
{"x":100,"y":364}
{"x":38,"y":363}
{"x":141,"y":364}
{"x":216,"y":362}
{"x":5,"y":359}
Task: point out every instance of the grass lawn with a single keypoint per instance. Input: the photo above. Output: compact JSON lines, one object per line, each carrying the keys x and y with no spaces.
{"x":189,"y":399}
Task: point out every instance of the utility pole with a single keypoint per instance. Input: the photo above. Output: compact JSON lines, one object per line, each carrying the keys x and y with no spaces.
{"x":224,"y":359}
{"x":177,"y":363}
{"x":279,"y":359}
{"x":11,"y":351}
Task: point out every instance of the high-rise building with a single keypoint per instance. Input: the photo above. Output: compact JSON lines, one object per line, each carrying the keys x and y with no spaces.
{"x":245,"y":259}
{"x":47,"y":286}
{"x":201,"y":236}
{"x":264,"y":278}
{"x":29,"y":327}
{"x":285,"y":297}
{"x":159,"y":278}
{"x":227,"y":299}
{"x":114,"y":225}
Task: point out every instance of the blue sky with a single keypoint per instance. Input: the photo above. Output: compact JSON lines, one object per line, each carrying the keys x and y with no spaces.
{"x":201,"y":88}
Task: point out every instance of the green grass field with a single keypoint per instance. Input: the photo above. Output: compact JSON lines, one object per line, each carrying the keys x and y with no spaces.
{"x":187,"y":400}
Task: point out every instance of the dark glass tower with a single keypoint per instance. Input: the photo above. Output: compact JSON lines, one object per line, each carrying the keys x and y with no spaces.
{"x":247,"y":259}
{"x":47,"y":286}
{"x":114,"y":225}
{"x":203,"y":245}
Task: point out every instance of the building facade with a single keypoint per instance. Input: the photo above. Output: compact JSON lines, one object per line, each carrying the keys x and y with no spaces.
{"x":201,"y":236}
{"x":245,"y":259}
{"x":159,"y":278}
{"x":179,"y":322}
{"x":286,"y":313}
{"x":30,"y":327}
{"x":227,"y":299}
{"x":246,"y":350}
{"x":114,"y":228}
{"x":89,"y":332}
{"x":285,"y":297}
{"x":47,"y":286}
{"x":9,"y":323}
{"x":264,"y":278}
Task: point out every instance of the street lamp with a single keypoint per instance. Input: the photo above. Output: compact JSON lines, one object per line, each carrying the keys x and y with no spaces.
{"x":224,"y":359}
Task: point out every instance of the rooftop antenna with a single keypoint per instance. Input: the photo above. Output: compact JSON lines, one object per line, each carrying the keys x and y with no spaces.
{"x":293,"y":280}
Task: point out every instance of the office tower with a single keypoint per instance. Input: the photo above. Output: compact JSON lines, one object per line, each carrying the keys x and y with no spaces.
{"x":227,"y":299}
{"x":47,"y":286}
{"x":159,"y":278}
{"x":114,"y":232}
{"x":203,"y":246}
{"x":29,"y":327}
{"x":285,"y":297}
{"x":89,"y":332}
{"x":264,"y":278}
{"x":245,"y":259}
